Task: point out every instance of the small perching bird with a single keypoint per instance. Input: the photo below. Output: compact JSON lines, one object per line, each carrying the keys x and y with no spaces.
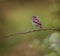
{"x":36,"y":22}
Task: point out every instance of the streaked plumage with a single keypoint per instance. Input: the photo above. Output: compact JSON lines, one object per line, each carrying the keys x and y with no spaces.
{"x":36,"y":22}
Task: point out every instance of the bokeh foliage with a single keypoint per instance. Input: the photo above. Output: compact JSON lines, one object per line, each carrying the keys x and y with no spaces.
{"x":16,"y":17}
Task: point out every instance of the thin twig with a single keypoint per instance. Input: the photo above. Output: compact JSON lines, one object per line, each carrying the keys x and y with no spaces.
{"x":31,"y":31}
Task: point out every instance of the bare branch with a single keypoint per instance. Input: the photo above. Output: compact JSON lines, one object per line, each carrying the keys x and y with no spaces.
{"x":31,"y":31}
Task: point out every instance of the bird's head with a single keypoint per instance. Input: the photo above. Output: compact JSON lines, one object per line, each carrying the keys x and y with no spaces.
{"x":34,"y":16}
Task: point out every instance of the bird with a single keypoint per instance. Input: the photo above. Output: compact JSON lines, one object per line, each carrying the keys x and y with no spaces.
{"x":36,"y":22}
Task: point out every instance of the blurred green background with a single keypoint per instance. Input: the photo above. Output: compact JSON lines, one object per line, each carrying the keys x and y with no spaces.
{"x":16,"y":16}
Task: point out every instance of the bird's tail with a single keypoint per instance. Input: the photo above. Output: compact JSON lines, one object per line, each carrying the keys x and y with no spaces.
{"x":41,"y":27}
